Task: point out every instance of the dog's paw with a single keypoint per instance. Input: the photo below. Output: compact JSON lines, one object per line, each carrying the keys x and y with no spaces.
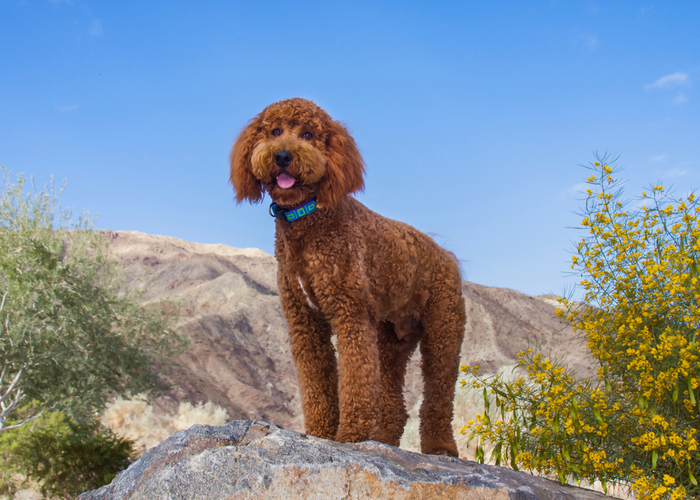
{"x":447,"y":453}
{"x":357,"y":434}
{"x":448,"y":450}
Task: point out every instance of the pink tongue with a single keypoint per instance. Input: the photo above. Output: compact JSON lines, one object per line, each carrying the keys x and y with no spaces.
{"x":285,"y":181}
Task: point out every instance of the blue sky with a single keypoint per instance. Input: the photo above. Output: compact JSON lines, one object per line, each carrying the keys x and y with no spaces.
{"x":472,"y":117}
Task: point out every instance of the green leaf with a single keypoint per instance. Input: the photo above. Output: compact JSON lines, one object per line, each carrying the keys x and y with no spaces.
{"x":499,"y":392}
{"x":497,"y":454}
{"x":562,"y":477}
{"x":479,"y":455}
{"x":514,"y":450}
{"x":597,"y":416}
{"x":654,"y":458}
{"x":690,"y":389}
{"x":692,"y":478}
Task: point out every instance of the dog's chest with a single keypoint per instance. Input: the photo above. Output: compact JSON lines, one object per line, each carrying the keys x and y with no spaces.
{"x":295,"y":266}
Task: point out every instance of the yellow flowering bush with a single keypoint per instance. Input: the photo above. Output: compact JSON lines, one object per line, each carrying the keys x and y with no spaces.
{"x":638,"y":423}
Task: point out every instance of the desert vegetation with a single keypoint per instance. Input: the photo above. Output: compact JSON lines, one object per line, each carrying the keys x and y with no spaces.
{"x":637,"y":424}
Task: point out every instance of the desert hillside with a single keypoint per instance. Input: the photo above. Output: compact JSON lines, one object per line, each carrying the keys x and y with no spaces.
{"x":240,"y":357}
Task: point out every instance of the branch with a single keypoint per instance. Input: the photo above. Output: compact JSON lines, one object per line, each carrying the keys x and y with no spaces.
{"x":8,"y":405}
{"x":12,"y":386}
{"x":25,"y":420}
{"x":9,"y":401}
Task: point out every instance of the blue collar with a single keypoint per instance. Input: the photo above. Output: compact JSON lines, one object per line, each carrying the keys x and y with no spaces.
{"x":293,"y":213}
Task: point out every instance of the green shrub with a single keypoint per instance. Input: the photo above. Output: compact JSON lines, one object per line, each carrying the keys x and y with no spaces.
{"x":64,"y":457}
{"x":73,"y":333}
{"x":638,"y":424}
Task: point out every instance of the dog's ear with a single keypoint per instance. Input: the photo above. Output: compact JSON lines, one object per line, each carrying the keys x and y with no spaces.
{"x":245,"y":184}
{"x":344,"y":169}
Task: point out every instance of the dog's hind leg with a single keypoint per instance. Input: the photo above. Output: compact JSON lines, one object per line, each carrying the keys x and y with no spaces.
{"x":394,"y":354}
{"x":440,"y":346}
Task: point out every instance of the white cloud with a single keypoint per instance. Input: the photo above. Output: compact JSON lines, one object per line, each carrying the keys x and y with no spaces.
{"x":680,"y":99}
{"x":675,"y":172}
{"x":667,"y":81}
{"x":96,"y":28}
{"x":646,"y":202}
{"x":589,"y":40}
{"x":575,"y":190}
{"x":658,"y":158}
{"x":579,"y":188}
{"x":67,"y":108}
{"x":646,"y":10}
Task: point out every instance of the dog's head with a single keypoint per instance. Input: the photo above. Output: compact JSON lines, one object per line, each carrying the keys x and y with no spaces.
{"x":295,"y":151}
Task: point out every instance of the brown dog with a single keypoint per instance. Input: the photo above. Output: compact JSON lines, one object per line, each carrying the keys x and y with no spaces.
{"x":380,"y":285}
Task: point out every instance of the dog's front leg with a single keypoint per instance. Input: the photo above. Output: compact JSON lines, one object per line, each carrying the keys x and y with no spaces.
{"x":314,"y":358}
{"x":359,"y":376}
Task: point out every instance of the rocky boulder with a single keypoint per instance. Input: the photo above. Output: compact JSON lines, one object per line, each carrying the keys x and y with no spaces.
{"x":256,"y":460}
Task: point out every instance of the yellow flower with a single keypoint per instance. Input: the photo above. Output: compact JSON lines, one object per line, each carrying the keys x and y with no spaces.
{"x":641,"y":271}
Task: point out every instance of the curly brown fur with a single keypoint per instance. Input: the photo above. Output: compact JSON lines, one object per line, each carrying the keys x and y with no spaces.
{"x":380,"y":285}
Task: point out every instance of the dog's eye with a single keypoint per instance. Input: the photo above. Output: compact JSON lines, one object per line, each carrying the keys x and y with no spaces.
{"x":307,"y":136}
{"x":277,"y":131}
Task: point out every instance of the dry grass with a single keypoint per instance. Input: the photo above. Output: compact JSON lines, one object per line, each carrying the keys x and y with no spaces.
{"x":135,"y":419}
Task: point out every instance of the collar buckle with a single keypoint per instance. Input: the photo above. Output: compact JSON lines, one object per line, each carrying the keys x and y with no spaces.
{"x":276,"y":211}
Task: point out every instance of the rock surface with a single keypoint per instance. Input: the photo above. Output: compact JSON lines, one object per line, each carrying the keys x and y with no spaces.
{"x":256,"y":460}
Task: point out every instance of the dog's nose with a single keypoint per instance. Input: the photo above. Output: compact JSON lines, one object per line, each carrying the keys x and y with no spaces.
{"x":283,"y":158}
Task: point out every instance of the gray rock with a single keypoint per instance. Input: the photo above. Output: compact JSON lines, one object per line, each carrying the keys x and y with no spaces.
{"x":254,"y":460}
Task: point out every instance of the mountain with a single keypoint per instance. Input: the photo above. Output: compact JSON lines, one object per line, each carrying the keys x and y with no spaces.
{"x":240,"y":358}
